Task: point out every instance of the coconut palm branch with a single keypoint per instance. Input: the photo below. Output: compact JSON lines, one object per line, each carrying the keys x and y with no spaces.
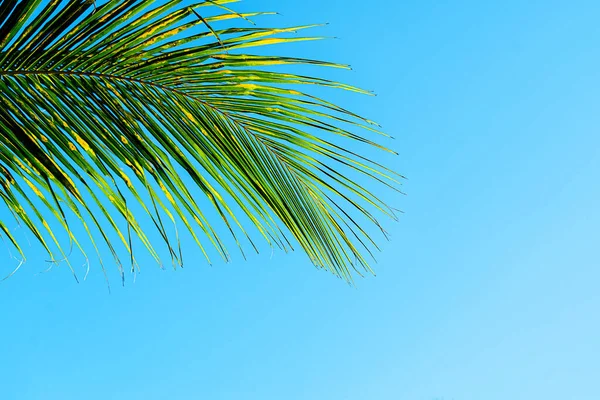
{"x":114,"y":110}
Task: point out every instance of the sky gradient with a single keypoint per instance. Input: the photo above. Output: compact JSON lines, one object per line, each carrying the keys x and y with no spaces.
{"x":488,"y":288}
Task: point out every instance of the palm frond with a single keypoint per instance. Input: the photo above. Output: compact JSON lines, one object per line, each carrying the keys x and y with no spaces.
{"x":105,"y":102}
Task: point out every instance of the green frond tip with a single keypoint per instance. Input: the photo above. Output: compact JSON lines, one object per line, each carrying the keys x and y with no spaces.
{"x":112,"y":110}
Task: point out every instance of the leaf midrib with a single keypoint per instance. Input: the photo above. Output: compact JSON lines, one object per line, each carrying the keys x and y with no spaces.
{"x":120,"y":78}
{"x":140,"y":81}
{"x":132,"y":80}
{"x":103,"y":76}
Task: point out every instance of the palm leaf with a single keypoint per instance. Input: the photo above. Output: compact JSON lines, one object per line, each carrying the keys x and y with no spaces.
{"x":108,"y":103}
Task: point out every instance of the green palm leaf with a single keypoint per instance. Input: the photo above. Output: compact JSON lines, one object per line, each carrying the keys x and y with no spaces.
{"x":105,"y":103}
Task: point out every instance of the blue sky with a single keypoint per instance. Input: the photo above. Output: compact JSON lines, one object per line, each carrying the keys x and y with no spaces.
{"x":487,"y":289}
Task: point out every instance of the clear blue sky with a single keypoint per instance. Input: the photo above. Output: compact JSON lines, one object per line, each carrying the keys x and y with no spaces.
{"x":489,"y":288}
